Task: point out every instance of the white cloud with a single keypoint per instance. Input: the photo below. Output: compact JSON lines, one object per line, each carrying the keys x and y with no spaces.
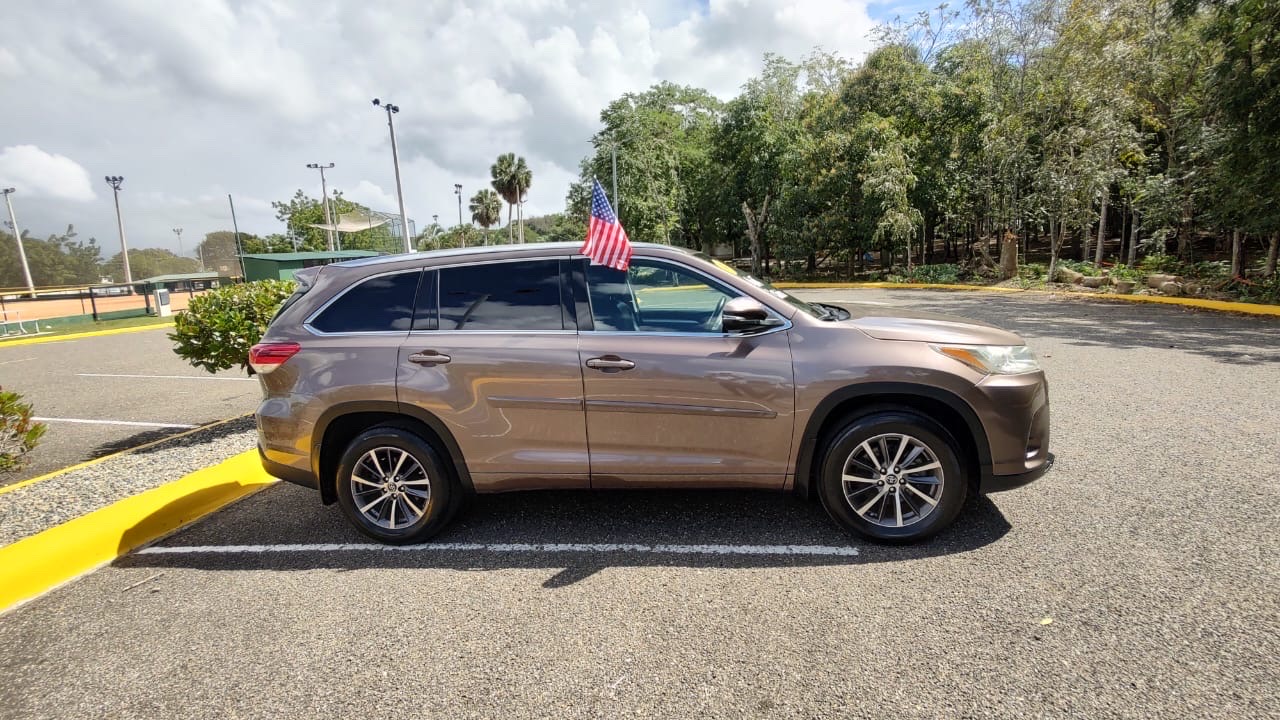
{"x":9,"y":64}
{"x":30,"y":169}
{"x":372,"y":196}
{"x":196,"y":99}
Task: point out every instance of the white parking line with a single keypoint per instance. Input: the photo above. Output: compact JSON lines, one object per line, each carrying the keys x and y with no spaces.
{"x":166,"y":377}
{"x":827,"y":550}
{"x":10,"y":362}
{"x":113,"y":422}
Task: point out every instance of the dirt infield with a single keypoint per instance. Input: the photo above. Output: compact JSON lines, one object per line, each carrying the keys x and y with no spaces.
{"x":62,"y":307}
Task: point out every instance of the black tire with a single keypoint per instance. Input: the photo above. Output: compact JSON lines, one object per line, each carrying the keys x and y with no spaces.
{"x":848,"y":439}
{"x":442,"y":486}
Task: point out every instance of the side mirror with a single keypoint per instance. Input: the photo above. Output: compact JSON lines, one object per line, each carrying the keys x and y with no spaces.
{"x":747,"y":315}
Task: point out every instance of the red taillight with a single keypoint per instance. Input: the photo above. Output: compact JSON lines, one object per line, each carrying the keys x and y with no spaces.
{"x":265,"y":357}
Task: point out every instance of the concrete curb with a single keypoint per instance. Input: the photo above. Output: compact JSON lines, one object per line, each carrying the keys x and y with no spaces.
{"x":76,"y":336}
{"x":1197,"y":303}
{"x":35,"y":565}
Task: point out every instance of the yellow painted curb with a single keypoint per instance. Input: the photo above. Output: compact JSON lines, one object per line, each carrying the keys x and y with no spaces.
{"x":76,"y":336}
{"x":1199,"y":303}
{"x":892,"y":286}
{"x":32,"y":566}
{"x":108,"y":456}
{"x":1219,"y":305}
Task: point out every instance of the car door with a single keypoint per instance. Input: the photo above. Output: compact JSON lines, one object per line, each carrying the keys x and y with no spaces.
{"x":493,"y":354}
{"x":672,"y":398}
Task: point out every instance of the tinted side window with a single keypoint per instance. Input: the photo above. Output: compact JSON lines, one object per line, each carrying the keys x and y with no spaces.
{"x":380,"y":304}
{"x":502,"y":296}
{"x":655,"y":297}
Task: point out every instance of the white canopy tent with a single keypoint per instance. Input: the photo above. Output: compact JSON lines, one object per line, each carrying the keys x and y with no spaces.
{"x":353,"y":222}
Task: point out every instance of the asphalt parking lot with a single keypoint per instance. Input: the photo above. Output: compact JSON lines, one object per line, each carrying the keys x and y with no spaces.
{"x":107,"y":393}
{"x":1138,"y":579}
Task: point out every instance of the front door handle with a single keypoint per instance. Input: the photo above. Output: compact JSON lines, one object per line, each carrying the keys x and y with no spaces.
{"x":610,"y":363}
{"x":429,"y":357}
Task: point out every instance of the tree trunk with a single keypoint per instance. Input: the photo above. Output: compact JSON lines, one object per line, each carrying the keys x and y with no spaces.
{"x":1237,"y":254}
{"x":755,"y":225}
{"x":1008,"y":255}
{"x":1053,"y":247}
{"x":1006,"y":249}
{"x":1133,"y":237}
{"x":1121,"y":252}
{"x":510,"y":238}
{"x":1184,"y":232}
{"x":1102,"y":231}
{"x":520,"y":219}
{"x":1271,"y":255}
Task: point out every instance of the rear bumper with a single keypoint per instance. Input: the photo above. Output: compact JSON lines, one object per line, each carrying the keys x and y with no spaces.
{"x":999,"y":483}
{"x":288,"y":473}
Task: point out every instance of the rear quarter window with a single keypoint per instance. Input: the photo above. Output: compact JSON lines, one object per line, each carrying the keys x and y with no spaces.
{"x":378,"y":304}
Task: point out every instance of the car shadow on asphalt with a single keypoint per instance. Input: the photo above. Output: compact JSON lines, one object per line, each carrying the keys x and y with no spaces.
{"x":285,"y":515}
{"x":199,"y":436}
{"x":1231,"y":339}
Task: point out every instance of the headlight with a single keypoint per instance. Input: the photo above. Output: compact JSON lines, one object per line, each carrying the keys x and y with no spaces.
{"x":993,"y":359}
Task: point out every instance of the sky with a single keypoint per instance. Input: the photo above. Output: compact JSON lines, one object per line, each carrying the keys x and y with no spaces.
{"x":191,"y":101}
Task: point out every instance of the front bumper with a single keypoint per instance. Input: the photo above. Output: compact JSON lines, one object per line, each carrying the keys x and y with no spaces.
{"x":1000,"y":483}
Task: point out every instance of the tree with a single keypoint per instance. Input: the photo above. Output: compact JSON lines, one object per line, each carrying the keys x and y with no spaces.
{"x":667,"y":181}
{"x":220,"y":252}
{"x":150,"y":262}
{"x":521,"y":181}
{"x":503,"y":173}
{"x":301,"y":212}
{"x":486,"y":209}
{"x":59,"y":260}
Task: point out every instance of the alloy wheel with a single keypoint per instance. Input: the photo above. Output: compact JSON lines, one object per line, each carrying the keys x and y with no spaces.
{"x":390,"y":487}
{"x":892,"y":480}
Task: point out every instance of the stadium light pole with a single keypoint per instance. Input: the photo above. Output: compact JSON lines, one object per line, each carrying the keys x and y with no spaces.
{"x":17,"y":235}
{"x":178,"y":232}
{"x":236,"y":226}
{"x":114,"y":181}
{"x":457,"y":190}
{"x":395,"y":159}
{"x":324,"y":195}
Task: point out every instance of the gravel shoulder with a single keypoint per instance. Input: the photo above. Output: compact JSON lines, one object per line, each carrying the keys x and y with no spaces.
{"x":33,"y":508}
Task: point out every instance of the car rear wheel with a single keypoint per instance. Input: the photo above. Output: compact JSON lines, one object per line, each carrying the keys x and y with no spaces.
{"x":393,"y":486}
{"x":893,"y":476}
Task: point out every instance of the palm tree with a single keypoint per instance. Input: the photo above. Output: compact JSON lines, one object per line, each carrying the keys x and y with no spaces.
{"x":503,"y":173}
{"x":512,"y":178}
{"x":522,"y":178}
{"x":486,"y":209}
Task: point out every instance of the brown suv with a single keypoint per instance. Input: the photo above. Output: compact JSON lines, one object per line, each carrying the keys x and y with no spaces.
{"x":398,"y":385}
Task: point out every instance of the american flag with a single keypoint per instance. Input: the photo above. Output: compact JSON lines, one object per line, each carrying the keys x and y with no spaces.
{"x":607,"y":242}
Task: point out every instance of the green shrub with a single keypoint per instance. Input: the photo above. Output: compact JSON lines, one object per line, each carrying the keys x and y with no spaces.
{"x":217,"y":329}
{"x":1124,"y":272}
{"x":942,"y":274}
{"x":1210,"y":270}
{"x":1262,"y":291}
{"x":1033,"y":271}
{"x":1160,"y":263}
{"x":1084,"y":268}
{"x":18,"y":433}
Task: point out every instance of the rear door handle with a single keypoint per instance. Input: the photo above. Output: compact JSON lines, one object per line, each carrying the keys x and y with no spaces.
{"x":610,"y":363}
{"x":429,"y":357}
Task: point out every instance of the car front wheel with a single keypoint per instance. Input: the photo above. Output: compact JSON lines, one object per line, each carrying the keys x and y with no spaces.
{"x":393,"y":486}
{"x":892,"y":476}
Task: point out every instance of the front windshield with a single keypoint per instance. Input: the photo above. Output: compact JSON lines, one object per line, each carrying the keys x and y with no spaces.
{"x":813,"y":310}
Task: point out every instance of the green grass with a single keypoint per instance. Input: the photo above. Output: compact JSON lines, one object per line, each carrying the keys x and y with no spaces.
{"x":90,"y":325}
